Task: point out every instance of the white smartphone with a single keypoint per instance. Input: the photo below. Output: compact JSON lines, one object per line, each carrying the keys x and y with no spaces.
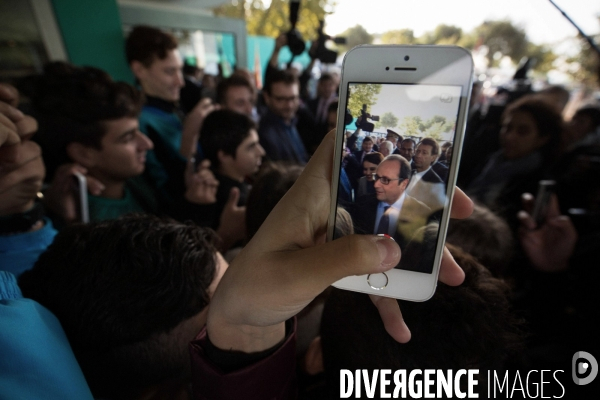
{"x":421,"y":93}
{"x":82,"y":208}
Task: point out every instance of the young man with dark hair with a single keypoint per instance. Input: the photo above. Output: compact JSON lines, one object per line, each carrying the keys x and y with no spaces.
{"x":237,"y":94}
{"x":157,"y":65}
{"x":425,"y":185}
{"x":130,"y":294}
{"x":230,"y":141}
{"x":88,"y":119}
{"x":278,"y":132}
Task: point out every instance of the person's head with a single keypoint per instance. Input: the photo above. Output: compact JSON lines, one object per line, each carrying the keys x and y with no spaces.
{"x":407,"y":149}
{"x":332,"y":115}
{"x":463,"y":327}
{"x":555,"y":95}
{"x":449,"y":154}
{"x":529,"y":125}
{"x":230,"y":141}
{"x":426,"y":153}
{"x":154,"y":59}
{"x":393,"y":174}
{"x":386,"y":148}
{"x":367,"y":144}
{"x":393,"y":137}
{"x":86,"y":117}
{"x":370,"y":163}
{"x":445,"y":146}
{"x":485,"y":236}
{"x":190,"y":70}
{"x":270,"y":186}
{"x":282,"y":94}
{"x":326,"y":86}
{"x":130,"y":294}
{"x":585,"y":120}
{"x":237,"y":94}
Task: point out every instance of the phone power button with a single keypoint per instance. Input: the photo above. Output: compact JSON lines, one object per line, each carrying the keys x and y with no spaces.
{"x":378,"y":281}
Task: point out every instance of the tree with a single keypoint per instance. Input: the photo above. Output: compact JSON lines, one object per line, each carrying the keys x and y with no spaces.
{"x":502,"y":39}
{"x":400,"y":36}
{"x":544,"y":57}
{"x":362,"y":94}
{"x":442,"y":34}
{"x":410,"y":126}
{"x":356,"y":36}
{"x":389,"y":120}
{"x":272,"y":20}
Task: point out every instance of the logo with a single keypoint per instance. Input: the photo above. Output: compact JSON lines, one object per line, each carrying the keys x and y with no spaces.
{"x":584,"y":364}
{"x":446,"y":98}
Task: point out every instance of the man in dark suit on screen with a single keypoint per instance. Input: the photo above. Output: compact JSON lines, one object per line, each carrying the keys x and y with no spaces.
{"x":390,"y":210}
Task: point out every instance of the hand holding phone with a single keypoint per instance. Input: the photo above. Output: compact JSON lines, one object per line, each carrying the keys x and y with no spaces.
{"x":426,"y":90}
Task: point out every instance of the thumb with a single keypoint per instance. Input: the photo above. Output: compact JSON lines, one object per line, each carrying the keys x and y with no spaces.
{"x":322,"y":265}
{"x":234,"y":197}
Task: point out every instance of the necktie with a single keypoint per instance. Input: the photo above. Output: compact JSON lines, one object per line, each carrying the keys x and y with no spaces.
{"x":384,"y":222}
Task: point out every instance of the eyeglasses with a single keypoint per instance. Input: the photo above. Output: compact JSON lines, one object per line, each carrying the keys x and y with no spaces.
{"x":384,"y":180}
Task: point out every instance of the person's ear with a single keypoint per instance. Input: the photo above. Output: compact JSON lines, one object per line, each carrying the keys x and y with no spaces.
{"x":138,"y":69}
{"x":223,"y":157}
{"x":404,"y":184}
{"x":83,"y":155}
{"x":313,"y":359}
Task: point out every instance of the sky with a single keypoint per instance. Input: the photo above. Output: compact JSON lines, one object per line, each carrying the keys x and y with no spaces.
{"x":542,"y":22}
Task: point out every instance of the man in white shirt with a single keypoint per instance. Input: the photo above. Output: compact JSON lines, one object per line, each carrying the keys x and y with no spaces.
{"x":425,"y":185}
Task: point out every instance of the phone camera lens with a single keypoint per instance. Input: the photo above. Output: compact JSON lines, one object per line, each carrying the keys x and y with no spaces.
{"x":406,"y":58}
{"x":387,"y":68}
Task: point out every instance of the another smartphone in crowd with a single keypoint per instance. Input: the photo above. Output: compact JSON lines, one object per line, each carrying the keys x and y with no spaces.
{"x":82,"y":209}
{"x":542,"y":199}
{"x":421,"y":93}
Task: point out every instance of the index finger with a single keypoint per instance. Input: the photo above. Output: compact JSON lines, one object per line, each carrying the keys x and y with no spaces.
{"x":9,"y":94}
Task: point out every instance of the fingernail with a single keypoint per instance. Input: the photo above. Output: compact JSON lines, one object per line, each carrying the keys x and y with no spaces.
{"x":17,"y":114}
{"x":389,"y":252}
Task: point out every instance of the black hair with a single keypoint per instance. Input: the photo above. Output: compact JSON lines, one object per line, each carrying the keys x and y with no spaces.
{"x":72,"y":103}
{"x":232,"y":81}
{"x":145,"y":44}
{"x":280,"y":76}
{"x":548,"y":121}
{"x":118,"y":289}
{"x":224,"y":130}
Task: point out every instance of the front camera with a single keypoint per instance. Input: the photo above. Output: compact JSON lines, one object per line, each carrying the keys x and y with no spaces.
{"x":406,"y":58}
{"x":387,"y":68}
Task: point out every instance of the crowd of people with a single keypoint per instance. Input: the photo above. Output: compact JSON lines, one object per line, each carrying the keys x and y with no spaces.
{"x":185,"y":176}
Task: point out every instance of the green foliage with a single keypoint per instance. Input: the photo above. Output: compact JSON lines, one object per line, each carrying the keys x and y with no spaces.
{"x":362,"y":94}
{"x":544,"y":57}
{"x":442,"y":34}
{"x":274,"y":19}
{"x":585,"y":64}
{"x":389,"y":120}
{"x":500,"y":37}
{"x":433,"y":127}
{"x":401,"y":36}
{"x":356,"y":36}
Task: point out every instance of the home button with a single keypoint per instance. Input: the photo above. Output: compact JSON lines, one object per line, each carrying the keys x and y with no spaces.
{"x":378,"y":281}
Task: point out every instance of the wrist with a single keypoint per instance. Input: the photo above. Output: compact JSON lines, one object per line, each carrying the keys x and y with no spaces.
{"x":244,"y":338}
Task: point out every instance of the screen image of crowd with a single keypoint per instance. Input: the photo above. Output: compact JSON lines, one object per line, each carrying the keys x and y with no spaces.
{"x":204,"y":272}
{"x":401,"y":194}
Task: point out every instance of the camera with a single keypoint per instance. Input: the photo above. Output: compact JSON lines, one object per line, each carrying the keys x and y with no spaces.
{"x":364,"y":124}
{"x":297,"y":45}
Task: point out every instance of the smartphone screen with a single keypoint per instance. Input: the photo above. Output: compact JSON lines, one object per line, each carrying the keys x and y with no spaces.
{"x":402,"y":194}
